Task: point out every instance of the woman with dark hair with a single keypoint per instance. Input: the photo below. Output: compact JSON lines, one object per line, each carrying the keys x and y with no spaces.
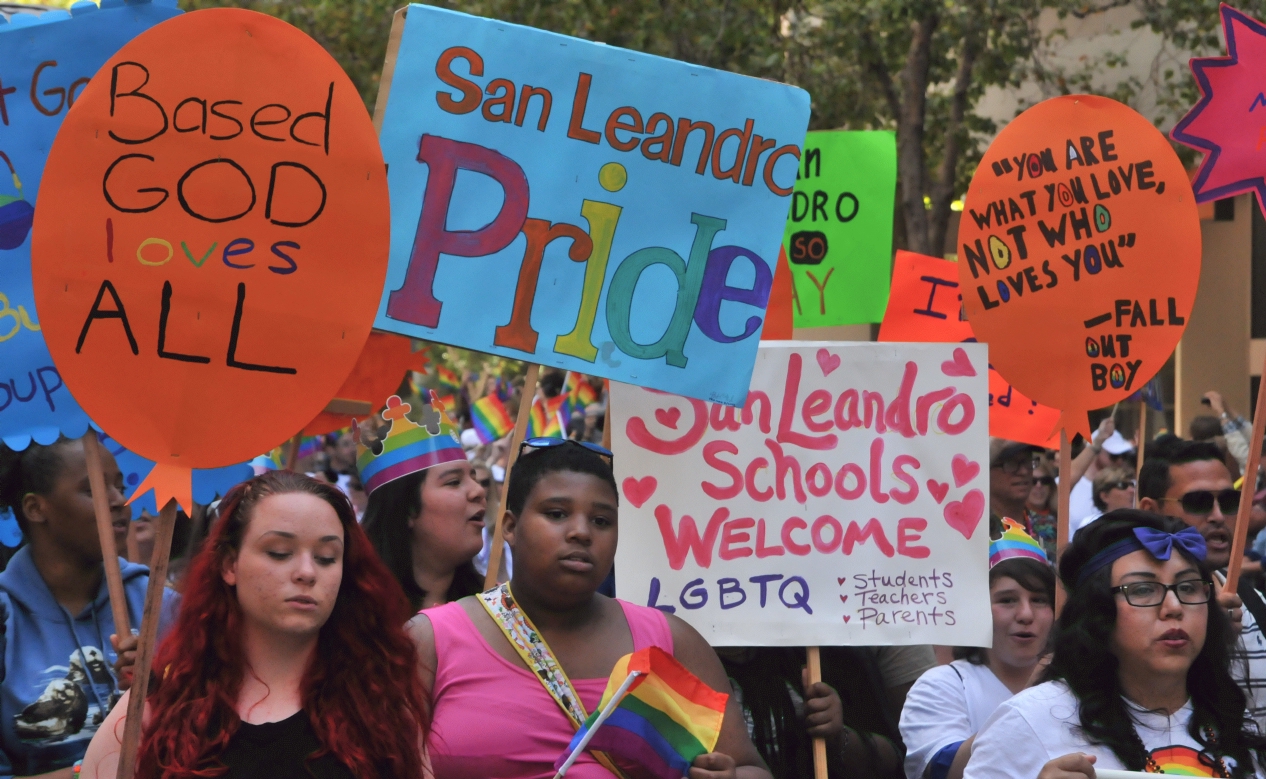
{"x":289,"y":658}
{"x":950,"y":703}
{"x":516,"y":670}
{"x":62,"y":670}
{"x":425,"y":515}
{"x":1140,"y":678}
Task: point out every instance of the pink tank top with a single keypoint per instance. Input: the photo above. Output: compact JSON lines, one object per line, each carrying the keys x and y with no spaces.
{"x":493,"y":720}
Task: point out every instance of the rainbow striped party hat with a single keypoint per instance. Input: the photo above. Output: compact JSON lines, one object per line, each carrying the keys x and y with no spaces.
{"x":407,"y":447}
{"x":1014,"y":542}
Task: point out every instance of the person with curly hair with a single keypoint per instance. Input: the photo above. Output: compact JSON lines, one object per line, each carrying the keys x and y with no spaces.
{"x":1140,"y":679}
{"x":289,"y":658}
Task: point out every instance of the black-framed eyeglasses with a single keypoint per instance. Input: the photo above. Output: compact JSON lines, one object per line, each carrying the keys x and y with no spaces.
{"x":547,"y":443}
{"x":1015,"y":465}
{"x":1045,"y":481}
{"x":1192,"y":592}
{"x":1201,"y":501}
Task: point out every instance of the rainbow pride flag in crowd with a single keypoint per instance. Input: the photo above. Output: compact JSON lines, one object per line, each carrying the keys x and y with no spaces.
{"x":447,"y":377}
{"x":490,"y":418}
{"x":667,"y":718}
{"x":544,"y":421}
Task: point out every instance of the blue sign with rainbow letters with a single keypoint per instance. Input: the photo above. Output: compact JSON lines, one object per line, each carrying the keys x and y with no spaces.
{"x":45,"y":61}
{"x":564,"y":202}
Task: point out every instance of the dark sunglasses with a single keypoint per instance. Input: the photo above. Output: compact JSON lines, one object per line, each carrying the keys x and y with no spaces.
{"x":1120,"y":485}
{"x":546,"y":443}
{"x":1045,"y":481}
{"x":1201,"y":501}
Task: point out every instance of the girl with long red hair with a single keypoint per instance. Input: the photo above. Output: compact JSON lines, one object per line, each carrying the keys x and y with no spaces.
{"x":289,"y":658}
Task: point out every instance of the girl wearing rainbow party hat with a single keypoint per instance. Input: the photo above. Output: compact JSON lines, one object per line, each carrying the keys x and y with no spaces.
{"x":949,"y":704}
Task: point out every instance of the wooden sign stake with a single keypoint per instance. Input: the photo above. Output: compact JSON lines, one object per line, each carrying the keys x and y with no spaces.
{"x":1142,"y":436}
{"x":105,"y":532}
{"x":1065,"y":490}
{"x":1247,"y":490}
{"x":148,"y":640}
{"x":814,"y":656}
{"x":526,"y":399}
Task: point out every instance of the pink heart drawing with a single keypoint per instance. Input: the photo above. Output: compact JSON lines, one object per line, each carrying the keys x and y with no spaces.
{"x":846,"y":619}
{"x":841,"y":580}
{"x":938,"y":489}
{"x":668,"y":417}
{"x":843,"y":599}
{"x":965,"y":515}
{"x":828,"y":362}
{"x":959,"y":366}
{"x":964,"y":470}
{"x":638,"y":491}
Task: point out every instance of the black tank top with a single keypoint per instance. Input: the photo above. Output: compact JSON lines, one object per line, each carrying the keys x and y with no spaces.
{"x":279,"y":750}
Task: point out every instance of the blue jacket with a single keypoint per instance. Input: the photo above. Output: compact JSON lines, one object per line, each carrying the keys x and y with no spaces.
{"x":57,"y":679}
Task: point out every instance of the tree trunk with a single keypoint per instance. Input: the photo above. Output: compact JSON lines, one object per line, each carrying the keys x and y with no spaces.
{"x":911,"y":161}
{"x":943,"y":190}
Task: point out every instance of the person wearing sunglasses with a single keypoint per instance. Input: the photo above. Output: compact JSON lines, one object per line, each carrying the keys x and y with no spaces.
{"x":1040,"y":509}
{"x":514,"y":670}
{"x":1010,"y":477}
{"x":1140,"y":678}
{"x":1188,"y":480}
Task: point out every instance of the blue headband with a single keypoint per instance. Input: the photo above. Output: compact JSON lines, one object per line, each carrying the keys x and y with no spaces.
{"x":1158,"y":544}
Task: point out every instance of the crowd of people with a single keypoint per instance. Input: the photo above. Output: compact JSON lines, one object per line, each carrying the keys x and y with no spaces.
{"x":304,"y":635}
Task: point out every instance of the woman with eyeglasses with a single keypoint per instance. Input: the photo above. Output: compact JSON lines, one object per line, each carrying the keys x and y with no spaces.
{"x":425,"y":515}
{"x":514,"y":671}
{"x":1140,"y":678}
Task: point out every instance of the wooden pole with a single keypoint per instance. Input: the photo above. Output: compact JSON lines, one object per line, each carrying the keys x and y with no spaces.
{"x":520,"y":432}
{"x":1065,"y":489}
{"x":389,"y":66}
{"x":1247,"y":490}
{"x":105,"y":532}
{"x":149,"y":637}
{"x":292,"y":454}
{"x":814,"y":656}
{"x":1142,"y":436}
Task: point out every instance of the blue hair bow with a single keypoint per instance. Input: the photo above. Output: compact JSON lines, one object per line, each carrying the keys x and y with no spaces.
{"x":1158,"y":544}
{"x":1161,"y":545}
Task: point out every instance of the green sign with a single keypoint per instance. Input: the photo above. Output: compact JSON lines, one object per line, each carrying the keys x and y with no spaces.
{"x":839,"y":232}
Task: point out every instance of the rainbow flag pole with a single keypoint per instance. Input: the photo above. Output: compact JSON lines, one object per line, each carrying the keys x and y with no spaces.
{"x":597,"y":723}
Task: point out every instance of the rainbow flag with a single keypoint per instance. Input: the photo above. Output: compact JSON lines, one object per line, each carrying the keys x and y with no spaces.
{"x":449,"y":401}
{"x":447,"y":377}
{"x":667,"y":718}
{"x":490,"y":418}
{"x":543,"y":422}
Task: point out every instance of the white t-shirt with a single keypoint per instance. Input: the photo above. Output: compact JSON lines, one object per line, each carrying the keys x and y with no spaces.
{"x":1041,"y":724}
{"x":1081,"y":502}
{"x":948,"y":704}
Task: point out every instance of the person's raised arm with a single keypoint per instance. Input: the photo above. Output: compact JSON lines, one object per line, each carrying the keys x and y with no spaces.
{"x":1081,"y":463}
{"x":735,"y":756}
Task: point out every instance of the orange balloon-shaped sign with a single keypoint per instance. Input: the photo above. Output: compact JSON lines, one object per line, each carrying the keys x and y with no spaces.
{"x":210,"y":240}
{"x":375,"y":377}
{"x":1079,"y":253}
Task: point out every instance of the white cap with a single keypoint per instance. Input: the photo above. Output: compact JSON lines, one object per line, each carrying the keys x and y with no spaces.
{"x":470,"y":439}
{"x":1116,"y":444}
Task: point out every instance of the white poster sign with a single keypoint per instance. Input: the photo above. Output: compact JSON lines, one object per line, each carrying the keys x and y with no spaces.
{"x":845,"y":504}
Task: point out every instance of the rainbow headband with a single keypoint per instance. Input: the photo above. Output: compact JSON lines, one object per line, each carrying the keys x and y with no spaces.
{"x":408,"y":447}
{"x":1014,"y":542}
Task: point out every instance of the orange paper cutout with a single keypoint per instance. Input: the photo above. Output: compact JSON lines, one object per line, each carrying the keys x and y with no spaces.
{"x":924,"y":305}
{"x":1079,"y":181}
{"x":778,"y":314}
{"x":377,"y":375}
{"x":211,"y":240}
